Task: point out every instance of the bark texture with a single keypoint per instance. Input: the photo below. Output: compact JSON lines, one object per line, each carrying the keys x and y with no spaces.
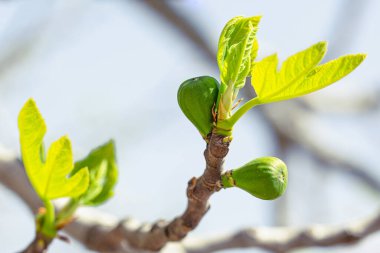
{"x":199,"y":190}
{"x":38,"y":245}
{"x":91,"y":225}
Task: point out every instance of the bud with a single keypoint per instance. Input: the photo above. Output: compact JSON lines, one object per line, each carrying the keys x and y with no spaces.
{"x":237,"y":50}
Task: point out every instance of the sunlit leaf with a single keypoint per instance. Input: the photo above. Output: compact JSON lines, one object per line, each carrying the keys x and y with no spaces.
{"x":299,"y":74}
{"x":237,"y":46}
{"x":268,"y":81}
{"x":49,"y":178}
{"x":254,"y":50}
{"x":224,"y":40}
{"x":324,"y":75}
{"x":237,"y":49}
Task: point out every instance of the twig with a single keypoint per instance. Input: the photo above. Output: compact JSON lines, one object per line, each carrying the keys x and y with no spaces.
{"x":91,"y":224}
{"x":283,"y":127}
{"x":38,"y":245}
{"x":284,"y":239}
{"x":155,"y":236}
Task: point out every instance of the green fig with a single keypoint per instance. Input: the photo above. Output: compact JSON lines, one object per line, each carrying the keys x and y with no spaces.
{"x":196,"y":98}
{"x":265,"y":178}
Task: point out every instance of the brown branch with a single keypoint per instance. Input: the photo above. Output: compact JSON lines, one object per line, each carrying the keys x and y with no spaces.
{"x":91,"y":225}
{"x":157,"y":235}
{"x":115,"y":239}
{"x":12,"y":176}
{"x":185,"y":27}
{"x":199,"y":190}
{"x":38,"y":245}
{"x":284,"y":239}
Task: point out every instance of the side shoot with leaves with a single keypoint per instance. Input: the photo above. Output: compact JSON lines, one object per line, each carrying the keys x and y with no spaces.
{"x":210,"y":106}
{"x":87,"y":182}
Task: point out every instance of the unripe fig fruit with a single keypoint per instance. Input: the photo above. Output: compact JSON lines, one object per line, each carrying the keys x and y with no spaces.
{"x":265,"y":178}
{"x":196,"y":98}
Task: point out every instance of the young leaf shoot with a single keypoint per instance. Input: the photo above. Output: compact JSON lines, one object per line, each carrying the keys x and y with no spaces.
{"x":48,"y":177}
{"x":299,"y":75}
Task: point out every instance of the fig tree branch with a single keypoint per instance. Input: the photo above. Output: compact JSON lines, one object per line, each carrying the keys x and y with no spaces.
{"x":286,"y":239}
{"x":91,"y":224}
{"x":157,"y":235}
{"x":199,"y":190}
{"x":307,"y":141}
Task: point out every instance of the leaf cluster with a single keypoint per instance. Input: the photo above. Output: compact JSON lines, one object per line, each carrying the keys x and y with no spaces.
{"x":298,"y":75}
{"x":53,"y":175}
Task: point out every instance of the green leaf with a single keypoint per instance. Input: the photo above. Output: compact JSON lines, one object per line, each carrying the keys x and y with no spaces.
{"x":268,"y":82}
{"x":264,"y":76}
{"x":237,"y":46}
{"x":49,"y":178}
{"x":299,"y":74}
{"x":255,"y":49}
{"x":101,"y":163}
{"x":224,"y":40}
{"x":323,"y":76}
{"x":237,"y":49}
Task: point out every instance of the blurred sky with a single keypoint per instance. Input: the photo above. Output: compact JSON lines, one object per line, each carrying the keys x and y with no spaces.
{"x":111,"y":69}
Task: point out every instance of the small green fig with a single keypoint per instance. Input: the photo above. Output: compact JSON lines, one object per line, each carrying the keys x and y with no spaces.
{"x":265,"y":178}
{"x":196,"y":98}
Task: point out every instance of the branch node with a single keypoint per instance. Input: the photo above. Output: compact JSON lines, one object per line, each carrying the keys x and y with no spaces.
{"x":191,"y":185}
